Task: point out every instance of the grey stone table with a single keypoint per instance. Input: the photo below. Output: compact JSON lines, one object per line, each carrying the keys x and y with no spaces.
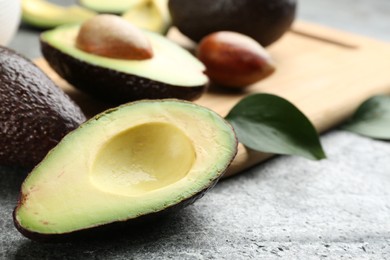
{"x":288,"y":207}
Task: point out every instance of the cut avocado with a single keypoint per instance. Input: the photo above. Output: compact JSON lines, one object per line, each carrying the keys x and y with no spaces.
{"x":43,"y":14}
{"x":152,"y":15}
{"x":139,"y":159}
{"x":34,"y":113}
{"x":112,"y":6}
{"x":172,"y":72}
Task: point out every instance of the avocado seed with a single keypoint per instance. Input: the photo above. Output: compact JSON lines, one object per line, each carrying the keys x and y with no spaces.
{"x":112,"y":36}
{"x":233,"y":59}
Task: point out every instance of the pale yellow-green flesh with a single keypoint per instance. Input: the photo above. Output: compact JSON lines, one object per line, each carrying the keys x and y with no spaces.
{"x":142,"y":159}
{"x":171,"y":64}
{"x":42,"y":13}
{"x":152,"y":15}
{"x":130,"y":162}
{"x":111,"y":6}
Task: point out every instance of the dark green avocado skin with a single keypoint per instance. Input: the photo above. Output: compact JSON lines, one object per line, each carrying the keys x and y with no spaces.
{"x":34,"y":113}
{"x":112,"y":86}
{"x":264,"y":20}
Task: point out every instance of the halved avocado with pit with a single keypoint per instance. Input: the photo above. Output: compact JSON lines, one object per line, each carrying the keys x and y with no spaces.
{"x":139,"y":159}
{"x":171,"y":73}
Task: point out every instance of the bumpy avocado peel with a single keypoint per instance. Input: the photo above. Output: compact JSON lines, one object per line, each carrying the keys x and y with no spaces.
{"x":34,"y":113}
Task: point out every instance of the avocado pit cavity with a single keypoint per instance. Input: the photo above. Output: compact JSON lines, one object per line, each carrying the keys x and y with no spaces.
{"x":142,"y":159}
{"x":113,"y":37}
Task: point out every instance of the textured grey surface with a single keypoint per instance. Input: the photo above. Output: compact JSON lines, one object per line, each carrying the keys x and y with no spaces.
{"x":288,"y":207}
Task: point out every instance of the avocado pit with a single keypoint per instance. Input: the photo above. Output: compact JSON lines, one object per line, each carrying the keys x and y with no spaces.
{"x":110,"y":36}
{"x":234,"y":60}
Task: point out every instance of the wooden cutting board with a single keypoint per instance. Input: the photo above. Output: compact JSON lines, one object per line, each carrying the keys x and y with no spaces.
{"x":326,"y":73}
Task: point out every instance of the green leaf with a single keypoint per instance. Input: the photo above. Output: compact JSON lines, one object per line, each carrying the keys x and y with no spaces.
{"x":268,"y":123}
{"x":372,"y":118}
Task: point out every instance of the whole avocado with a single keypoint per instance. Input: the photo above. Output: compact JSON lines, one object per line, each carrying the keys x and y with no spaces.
{"x":263,"y":20}
{"x":34,"y":113}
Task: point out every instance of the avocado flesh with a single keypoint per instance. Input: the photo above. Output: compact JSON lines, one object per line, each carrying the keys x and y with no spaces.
{"x":34,"y":113}
{"x":112,"y":6}
{"x":171,"y":73}
{"x":152,"y":15}
{"x":43,"y":14}
{"x":134,"y":160}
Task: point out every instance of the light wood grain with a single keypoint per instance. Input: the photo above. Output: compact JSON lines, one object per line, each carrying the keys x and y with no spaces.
{"x":326,"y":73}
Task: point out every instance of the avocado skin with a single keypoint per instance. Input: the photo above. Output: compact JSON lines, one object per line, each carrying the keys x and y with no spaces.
{"x":264,"y":20}
{"x":112,"y":229}
{"x":34,"y":113}
{"x":112,"y":86}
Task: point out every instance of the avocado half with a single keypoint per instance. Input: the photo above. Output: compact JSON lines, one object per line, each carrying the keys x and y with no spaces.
{"x":172,"y":72}
{"x":43,"y":14}
{"x":112,"y":6}
{"x":151,"y":15}
{"x":140,"y":159}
